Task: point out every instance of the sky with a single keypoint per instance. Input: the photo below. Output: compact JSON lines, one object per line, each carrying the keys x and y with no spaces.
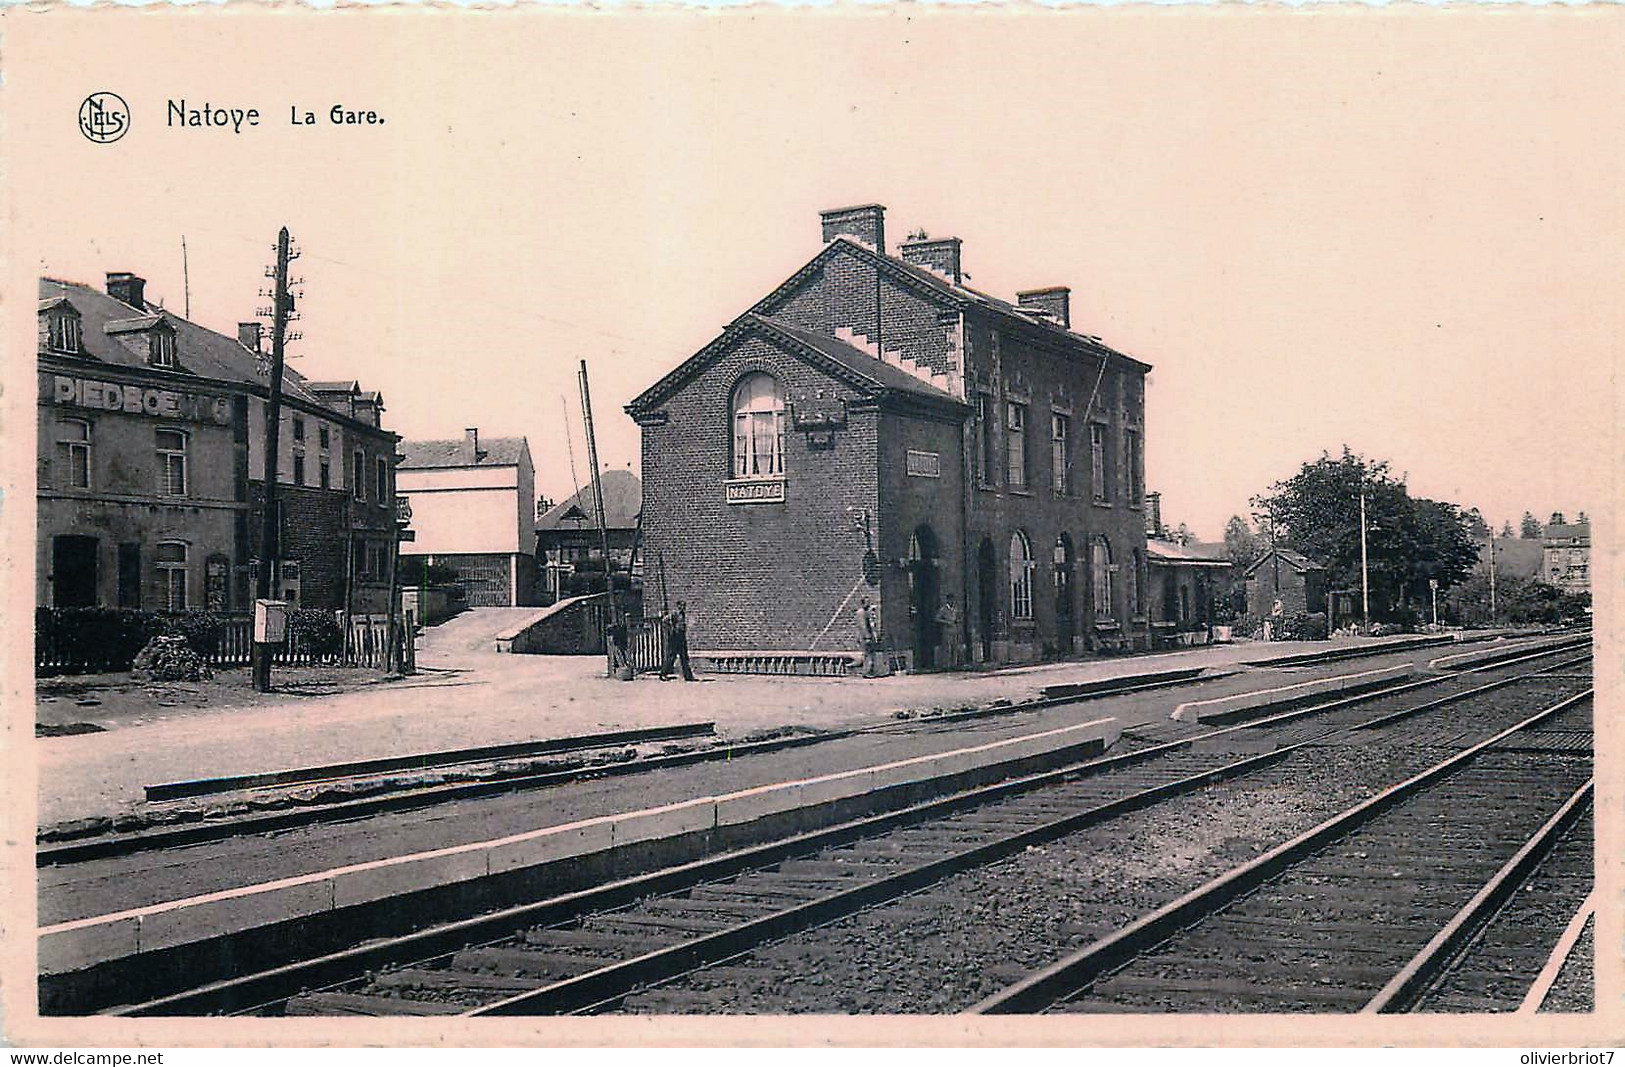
{"x":1398,"y":231}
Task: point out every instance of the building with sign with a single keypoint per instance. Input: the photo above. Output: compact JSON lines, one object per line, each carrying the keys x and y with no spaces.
{"x":473,"y":506}
{"x":875,"y":429}
{"x":151,"y":465}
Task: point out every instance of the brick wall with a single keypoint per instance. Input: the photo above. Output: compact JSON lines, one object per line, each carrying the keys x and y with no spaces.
{"x":766,"y":575}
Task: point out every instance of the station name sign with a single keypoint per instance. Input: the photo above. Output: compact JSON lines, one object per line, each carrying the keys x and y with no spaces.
{"x":924,"y":464}
{"x":767,"y":492}
{"x":136,"y":400}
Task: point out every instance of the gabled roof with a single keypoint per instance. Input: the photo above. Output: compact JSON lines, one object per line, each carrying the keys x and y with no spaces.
{"x":623,"y":499}
{"x":55,"y":302}
{"x":923,"y":279}
{"x":494,"y":452}
{"x":199,"y":351}
{"x":1296,"y":560}
{"x":833,"y":356}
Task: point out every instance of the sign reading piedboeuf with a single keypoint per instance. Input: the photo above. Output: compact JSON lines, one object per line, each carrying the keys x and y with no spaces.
{"x":138,"y":400}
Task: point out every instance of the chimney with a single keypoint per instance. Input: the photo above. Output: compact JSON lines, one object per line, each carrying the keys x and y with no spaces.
{"x":865,"y":224}
{"x":248,"y":335}
{"x":940,"y":255}
{"x":471,"y":438}
{"x":1057,"y":300}
{"x":1153,"y":515}
{"x":127,"y":287}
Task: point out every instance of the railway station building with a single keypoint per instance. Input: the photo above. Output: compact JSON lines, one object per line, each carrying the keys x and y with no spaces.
{"x":151,"y":465}
{"x":874,"y":429}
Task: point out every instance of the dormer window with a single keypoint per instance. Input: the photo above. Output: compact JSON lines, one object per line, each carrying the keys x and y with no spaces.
{"x":163,"y":349}
{"x":62,"y":331}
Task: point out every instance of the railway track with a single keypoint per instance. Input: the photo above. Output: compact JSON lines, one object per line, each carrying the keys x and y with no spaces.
{"x":634,"y":944}
{"x":1392,"y":904}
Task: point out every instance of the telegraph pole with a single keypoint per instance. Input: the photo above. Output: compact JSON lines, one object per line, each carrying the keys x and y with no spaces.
{"x":1492,"y":576}
{"x":269,"y":548}
{"x":598,"y":497}
{"x":1365,"y":564}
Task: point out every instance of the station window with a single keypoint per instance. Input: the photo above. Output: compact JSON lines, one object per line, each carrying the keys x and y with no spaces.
{"x":1021,"y":576}
{"x":758,"y":427}
{"x":1133,"y":466}
{"x":298,"y":428}
{"x":1015,"y":443}
{"x":170,"y":560}
{"x":74,"y":446}
{"x":323,"y":438}
{"x":325,"y":473}
{"x":1097,"y":462}
{"x":1060,"y":457}
{"x":1100,"y":568}
{"x":985,"y":461}
{"x":298,"y":468}
{"x":171,"y":447}
{"x":383,"y":482}
{"x":358,"y":482}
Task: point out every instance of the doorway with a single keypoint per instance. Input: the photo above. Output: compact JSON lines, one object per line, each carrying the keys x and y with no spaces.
{"x":987,"y":595}
{"x":923,"y":594}
{"x":73,"y":571}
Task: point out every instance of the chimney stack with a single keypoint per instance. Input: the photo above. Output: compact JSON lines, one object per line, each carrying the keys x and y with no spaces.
{"x":248,"y":335}
{"x":865,"y":223}
{"x":940,"y":255}
{"x":1153,"y":515}
{"x":471,"y":437}
{"x":1057,"y":300}
{"x":127,"y":287}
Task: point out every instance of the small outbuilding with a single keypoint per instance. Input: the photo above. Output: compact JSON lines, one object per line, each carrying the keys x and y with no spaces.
{"x":1294,"y":579}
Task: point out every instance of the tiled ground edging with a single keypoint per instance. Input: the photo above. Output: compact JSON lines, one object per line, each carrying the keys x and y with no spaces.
{"x":1231,"y":708}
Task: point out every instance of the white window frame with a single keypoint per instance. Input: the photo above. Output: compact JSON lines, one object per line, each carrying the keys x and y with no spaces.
{"x":1021,"y":577}
{"x":1099,"y":485}
{"x":1015,"y":444}
{"x":170,"y":460}
{"x":77,"y":451}
{"x":172,"y":574}
{"x":163,"y":349}
{"x":64,"y":331}
{"x":756,"y":420}
{"x":1100,"y":577}
{"x":1060,"y":431}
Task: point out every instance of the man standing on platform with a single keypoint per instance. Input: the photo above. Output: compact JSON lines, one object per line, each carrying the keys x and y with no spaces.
{"x":677,"y":643}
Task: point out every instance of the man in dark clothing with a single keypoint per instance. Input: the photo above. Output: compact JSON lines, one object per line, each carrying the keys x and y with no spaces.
{"x":677,"y":643}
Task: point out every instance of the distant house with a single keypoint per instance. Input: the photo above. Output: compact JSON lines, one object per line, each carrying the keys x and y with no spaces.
{"x":567,"y":538}
{"x":1294,"y":579}
{"x":472,"y":507}
{"x":1566,"y":556}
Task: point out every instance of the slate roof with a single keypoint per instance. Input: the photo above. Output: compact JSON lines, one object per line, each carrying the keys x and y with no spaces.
{"x":200,"y":352}
{"x":838,"y":358}
{"x":1573,"y":531}
{"x":1296,"y":560}
{"x":623,"y":499}
{"x":1191,"y":554}
{"x":494,"y":452}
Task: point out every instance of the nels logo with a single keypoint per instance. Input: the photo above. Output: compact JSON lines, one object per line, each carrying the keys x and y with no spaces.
{"x":104,"y":117}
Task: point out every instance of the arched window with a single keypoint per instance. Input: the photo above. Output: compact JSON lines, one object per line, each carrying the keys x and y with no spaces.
{"x":758,"y":427}
{"x":1021,"y":576}
{"x":1100,"y":567}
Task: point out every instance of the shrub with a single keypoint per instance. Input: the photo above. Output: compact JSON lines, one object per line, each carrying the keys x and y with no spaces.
{"x":316,"y":632}
{"x":1316,"y":627}
{"x":200,"y":628}
{"x":92,"y":639}
{"x":1246,"y":625}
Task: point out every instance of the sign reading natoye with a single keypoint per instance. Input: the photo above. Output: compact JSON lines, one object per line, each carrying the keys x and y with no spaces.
{"x":139,"y":400}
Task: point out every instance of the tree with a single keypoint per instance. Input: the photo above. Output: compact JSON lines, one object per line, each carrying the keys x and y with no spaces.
{"x":1582,"y":519}
{"x":1506,"y":529}
{"x":1557,"y":519}
{"x":1241,"y":544}
{"x":1529,"y":527}
{"x":1476,"y":524}
{"x":1409,"y":541}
